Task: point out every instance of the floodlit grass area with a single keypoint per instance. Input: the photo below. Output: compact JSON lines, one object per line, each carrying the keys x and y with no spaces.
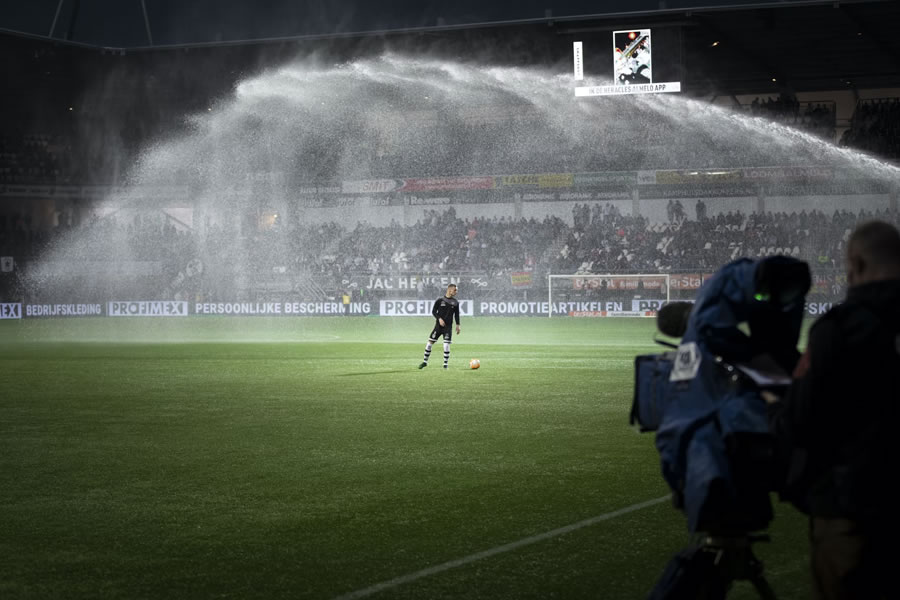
{"x":310,"y":458}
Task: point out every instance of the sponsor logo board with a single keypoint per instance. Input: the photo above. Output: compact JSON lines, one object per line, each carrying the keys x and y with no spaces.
{"x":417,"y":308}
{"x":611,"y":313}
{"x":371,"y":186}
{"x":817,"y":308}
{"x":63,"y":310}
{"x":646,"y":305}
{"x":147,"y":308}
{"x":277,"y":309}
{"x":10,"y":310}
{"x":697,"y":176}
{"x":437,"y":184}
{"x":618,"y":283}
{"x":546,"y":180}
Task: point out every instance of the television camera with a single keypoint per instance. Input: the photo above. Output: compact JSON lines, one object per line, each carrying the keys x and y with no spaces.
{"x":703,"y":400}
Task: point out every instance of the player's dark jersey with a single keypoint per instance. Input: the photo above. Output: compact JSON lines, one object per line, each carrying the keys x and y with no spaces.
{"x":447,"y":309}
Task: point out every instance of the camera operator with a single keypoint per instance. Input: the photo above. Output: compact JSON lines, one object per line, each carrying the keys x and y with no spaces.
{"x":837,"y":422}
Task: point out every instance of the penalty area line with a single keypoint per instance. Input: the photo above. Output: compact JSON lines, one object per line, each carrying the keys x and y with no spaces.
{"x":403,"y":579}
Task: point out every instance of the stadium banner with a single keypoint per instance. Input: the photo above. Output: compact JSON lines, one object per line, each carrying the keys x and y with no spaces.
{"x":475,"y":196}
{"x":578,"y":61}
{"x":815,"y":309}
{"x":426,"y":200}
{"x":537,"y":196}
{"x":411,"y":282}
{"x":687,"y":281}
{"x":666,"y":87}
{"x":646,"y":177}
{"x":311,"y":202}
{"x":92,"y":192}
{"x":836,"y":187}
{"x":545,"y":180}
{"x":63,"y":310}
{"x":278,"y":309}
{"x":583,"y":196}
{"x":371,"y":186}
{"x":647,"y":304}
{"x":632,"y":57}
{"x":147,"y":308}
{"x":417,"y":308}
{"x":31,"y":191}
{"x":512,"y":308}
{"x":611,"y":193}
{"x":611,"y":313}
{"x":339,"y":201}
{"x":737,"y":189}
{"x":618,"y":283}
{"x":564,"y":308}
{"x":521,"y":279}
{"x":602,"y":179}
{"x":10,"y":310}
{"x":311,"y":189}
{"x":578,"y":196}
{"x":699,"y":176}
{"x":89,"y":268}
{"x":441,"y":184}
{"x":787,"y":173}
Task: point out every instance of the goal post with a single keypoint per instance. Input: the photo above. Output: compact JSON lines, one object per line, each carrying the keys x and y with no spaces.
{"x":610,"y":294}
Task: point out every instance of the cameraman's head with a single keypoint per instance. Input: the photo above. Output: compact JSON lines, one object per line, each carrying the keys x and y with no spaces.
{"x":781,"y":282}
{"x":780,"y":286}
{"x":873,"y":253}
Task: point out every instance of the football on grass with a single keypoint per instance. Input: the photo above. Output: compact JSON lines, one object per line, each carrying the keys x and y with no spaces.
{"x":474,"y":363}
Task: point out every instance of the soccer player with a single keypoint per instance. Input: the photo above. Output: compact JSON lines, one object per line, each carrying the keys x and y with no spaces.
{"x":445,"y":309}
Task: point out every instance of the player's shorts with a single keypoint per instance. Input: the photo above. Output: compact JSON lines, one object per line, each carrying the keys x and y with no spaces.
{"x":438,"y":331}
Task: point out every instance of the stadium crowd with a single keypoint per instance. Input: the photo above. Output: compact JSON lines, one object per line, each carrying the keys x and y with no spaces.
{"x":817,"y":118}
{"x":166,"y":259}
{"x":875,"y":127}
{"x":626,"y":243}
{"x":31,"y":158}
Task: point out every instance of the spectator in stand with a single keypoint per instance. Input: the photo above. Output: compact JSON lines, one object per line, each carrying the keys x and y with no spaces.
{"x":700,"y":209}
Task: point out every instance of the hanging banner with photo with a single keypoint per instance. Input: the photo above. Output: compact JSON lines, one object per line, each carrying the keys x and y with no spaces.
{"x":631,"y":57}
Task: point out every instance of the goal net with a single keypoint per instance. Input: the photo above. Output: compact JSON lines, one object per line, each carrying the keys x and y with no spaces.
{"x":610,"y":295}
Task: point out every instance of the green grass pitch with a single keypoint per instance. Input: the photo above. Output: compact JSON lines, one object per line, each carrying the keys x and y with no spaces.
{"x":310,"y":458}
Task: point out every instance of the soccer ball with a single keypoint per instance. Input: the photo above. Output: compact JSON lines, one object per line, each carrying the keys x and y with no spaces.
{"x":474,"y":363}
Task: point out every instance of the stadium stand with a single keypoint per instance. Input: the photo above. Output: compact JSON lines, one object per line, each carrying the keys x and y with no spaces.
{"x":875,"y":127}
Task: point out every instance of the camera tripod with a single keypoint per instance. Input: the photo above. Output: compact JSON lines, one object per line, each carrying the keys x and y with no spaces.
{"x":707,"y":568}
{"x":732,"y":559}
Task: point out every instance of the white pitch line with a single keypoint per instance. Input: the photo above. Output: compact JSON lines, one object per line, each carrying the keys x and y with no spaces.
{"x":397,"y":581}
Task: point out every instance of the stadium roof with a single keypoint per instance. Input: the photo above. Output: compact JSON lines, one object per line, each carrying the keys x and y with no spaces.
{"x":725,"y":47}
{"x":153,"y":23}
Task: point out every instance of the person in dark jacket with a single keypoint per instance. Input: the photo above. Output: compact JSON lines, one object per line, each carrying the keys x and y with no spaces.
{"x":838,"y":421}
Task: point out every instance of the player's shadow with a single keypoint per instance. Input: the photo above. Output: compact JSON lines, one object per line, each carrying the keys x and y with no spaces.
{"x":374,"y":373}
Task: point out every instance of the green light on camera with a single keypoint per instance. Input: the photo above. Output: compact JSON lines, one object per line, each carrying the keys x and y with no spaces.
{"x":761,"y":297}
